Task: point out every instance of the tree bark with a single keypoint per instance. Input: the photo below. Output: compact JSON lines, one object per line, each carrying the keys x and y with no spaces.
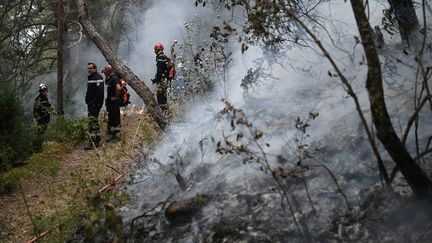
{"x":413,"y":173}
{"x":140,"y":88}
{"x":406,"y":18}
{"x":60,"y":42}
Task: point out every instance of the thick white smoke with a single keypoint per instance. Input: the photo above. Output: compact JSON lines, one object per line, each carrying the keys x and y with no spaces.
{"x":299,"y":84}
{"x":302,"y":85}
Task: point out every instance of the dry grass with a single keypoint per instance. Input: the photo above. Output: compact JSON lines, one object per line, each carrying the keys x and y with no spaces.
{"x":58,"y":183}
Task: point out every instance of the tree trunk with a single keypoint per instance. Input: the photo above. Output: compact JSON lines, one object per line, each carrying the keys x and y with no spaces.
{"x":413,"y":173}
{"x":60,"y":42}
{"x":406,"y":18}
{"x":140,"y":88}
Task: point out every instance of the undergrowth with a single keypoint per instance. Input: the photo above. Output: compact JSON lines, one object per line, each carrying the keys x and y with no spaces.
{"x":65,"y":198}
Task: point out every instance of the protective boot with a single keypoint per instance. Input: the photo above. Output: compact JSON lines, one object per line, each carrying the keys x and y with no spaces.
{"x":90,"y":145}
{"x":113,"y":133}
{"x":93,"y":143}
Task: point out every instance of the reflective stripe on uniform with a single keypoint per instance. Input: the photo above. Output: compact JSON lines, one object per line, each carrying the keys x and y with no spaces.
{"x":95,"y":81}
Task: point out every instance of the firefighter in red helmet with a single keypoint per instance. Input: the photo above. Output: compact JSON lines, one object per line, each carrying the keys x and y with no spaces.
{"x":161,"y":75}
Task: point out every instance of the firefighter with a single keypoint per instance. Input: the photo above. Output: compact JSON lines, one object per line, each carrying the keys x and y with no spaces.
{"x":161,"y":76}
{"x":112,"y":103}
{"x":94,"y":100}
{"x":42,"y":108}
{"x":378,"y":37}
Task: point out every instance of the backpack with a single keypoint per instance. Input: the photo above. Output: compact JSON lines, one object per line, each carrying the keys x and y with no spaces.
{"x":170,"y":69}
{"x":124,"y":94}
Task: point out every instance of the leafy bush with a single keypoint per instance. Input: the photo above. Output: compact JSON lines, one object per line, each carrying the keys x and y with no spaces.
{"x":15,"y":139}
{"x":66,"y":130}
{"x":19,"y":141}
{"x":202,"y":63}
{"x":8,"y":182}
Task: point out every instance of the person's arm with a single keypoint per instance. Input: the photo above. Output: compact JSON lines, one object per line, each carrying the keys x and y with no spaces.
{"x":50,"y":107}
{"x":37,"y":110}
{"x":87,"y":96}
{"x":117,"y":91}
{"x":118,"y":88}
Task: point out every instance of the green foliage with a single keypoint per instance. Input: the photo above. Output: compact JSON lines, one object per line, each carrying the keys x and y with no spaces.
{"x":149,"y":131}
{"x":15,"y":139}
{"x":202,"y":63}
{"x":39,"y":165}
{"x":18,"y":142}
{"x":8,"y":182}
{"x":27,"y":40}
{"x":67,"y":130}
{"x":389,"y":21}
{"x":103,"y":220}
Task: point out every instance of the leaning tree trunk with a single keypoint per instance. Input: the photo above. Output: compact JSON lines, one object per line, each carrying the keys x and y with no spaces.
{"x":140,"y":88}
{"x":406,"y":18}
{"x":60,"y":42}
{"x":413,"y":173}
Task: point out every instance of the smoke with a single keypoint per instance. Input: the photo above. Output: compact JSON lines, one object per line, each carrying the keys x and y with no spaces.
{"x":300,"y":84}
{"x":164,"y":22}
{"x":158,"y":22}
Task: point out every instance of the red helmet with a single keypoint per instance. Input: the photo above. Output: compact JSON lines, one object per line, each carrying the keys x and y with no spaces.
{"x":158,"y":46}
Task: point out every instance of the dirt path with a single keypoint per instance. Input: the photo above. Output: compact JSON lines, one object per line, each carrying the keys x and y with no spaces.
{"x":57,"y":190}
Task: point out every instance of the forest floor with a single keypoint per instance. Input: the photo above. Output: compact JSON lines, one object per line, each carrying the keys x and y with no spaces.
{"x":56,"y":186}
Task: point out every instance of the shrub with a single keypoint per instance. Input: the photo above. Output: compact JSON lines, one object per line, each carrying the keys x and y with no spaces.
{"x":66,"y":130}
{"x":15,"y":139}
{"x":8,"y":182}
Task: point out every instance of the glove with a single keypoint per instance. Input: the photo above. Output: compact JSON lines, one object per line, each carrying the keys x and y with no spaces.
{"x":153,"y":81}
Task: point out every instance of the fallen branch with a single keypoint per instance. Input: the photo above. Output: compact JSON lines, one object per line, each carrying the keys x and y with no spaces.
{"x":94,"y":145}
{"x":27,"y":207}
{"x":136,"y":132}
{"x":145,"y":214}
{"x":41,"y":235}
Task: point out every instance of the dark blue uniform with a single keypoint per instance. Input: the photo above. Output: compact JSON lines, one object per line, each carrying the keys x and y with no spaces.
{"x":94,"y":100}
{"x":113,"y":106}
{"x":41,"y":111}
{"x":161,"y":79}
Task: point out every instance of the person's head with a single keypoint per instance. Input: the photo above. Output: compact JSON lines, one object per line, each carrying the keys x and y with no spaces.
{"x":43,"y":89}
{"x":158,"y":47}
{"x":108,"y":70}
{"x":91,"y":68}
